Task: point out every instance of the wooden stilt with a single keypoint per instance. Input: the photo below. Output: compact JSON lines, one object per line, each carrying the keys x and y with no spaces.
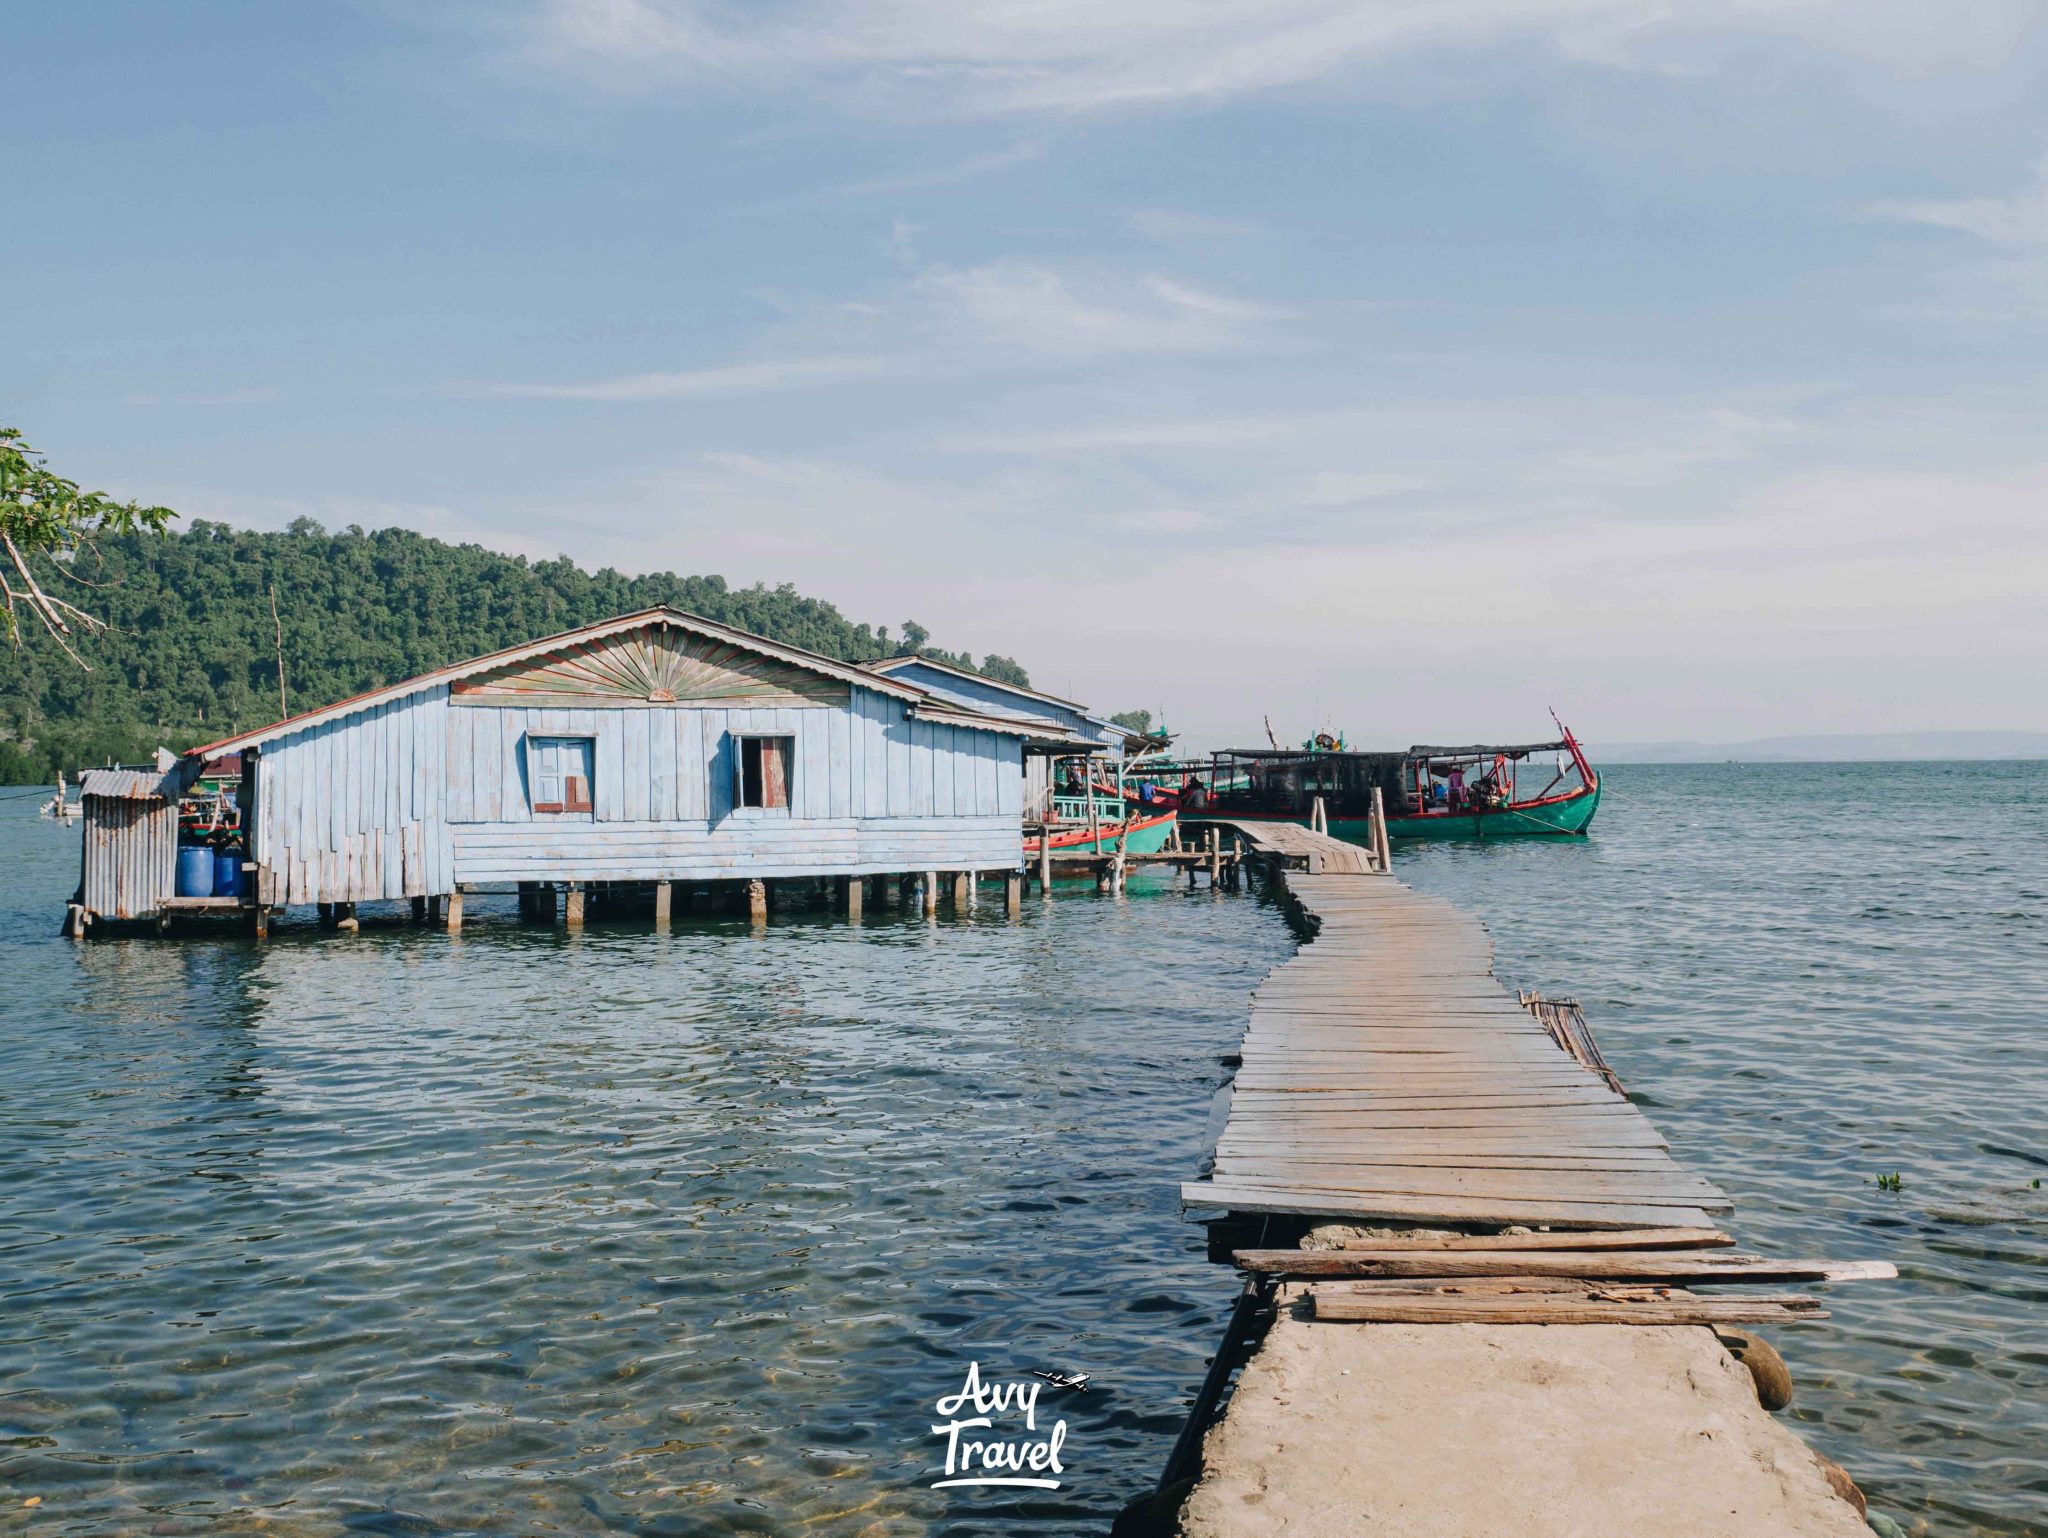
{"x":74,"y":921}
{"x":1013,"y":892}
{"x":345,"y":918}
{"x":1215,"y":856}
{"x":454,"y":911}
{"x":931,"y":893}
{"x":963,"y":887}
{"x":663,"y":899}
{"x":852,"y":893}
{"x":757,"y":902}
{"x":1045,"y":859}
{"x":259,"y":922}
{"x":572,"y":907}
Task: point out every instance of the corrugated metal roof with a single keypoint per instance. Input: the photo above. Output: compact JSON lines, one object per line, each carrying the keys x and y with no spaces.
{"x":125,"y":785}
{"x":1036,"y":728}
{"x":892,"y":664}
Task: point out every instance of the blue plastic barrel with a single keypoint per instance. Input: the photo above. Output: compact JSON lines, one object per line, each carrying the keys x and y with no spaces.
{"x":195,"y":871}
{"x":227,"y":873}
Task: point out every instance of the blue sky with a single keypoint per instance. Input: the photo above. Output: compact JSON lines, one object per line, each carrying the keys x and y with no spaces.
{"x":1396,"y":367}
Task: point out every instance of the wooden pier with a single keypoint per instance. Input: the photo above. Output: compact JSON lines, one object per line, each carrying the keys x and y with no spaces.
{"x":1518,"y":1343}
{"x":1387,"y":1074}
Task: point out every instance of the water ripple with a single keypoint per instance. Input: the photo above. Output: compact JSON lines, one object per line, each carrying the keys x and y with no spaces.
{"x":410,"y":1234}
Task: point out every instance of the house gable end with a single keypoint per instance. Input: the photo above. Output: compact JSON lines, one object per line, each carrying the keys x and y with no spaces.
{"x":659,"y":663}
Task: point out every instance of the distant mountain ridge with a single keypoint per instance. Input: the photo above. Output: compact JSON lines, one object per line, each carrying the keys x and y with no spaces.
{"x":1834,"y":747}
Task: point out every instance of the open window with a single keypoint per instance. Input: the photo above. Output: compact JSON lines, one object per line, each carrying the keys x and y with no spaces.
{"x":558,"y":774}
{"x":761,"y":771}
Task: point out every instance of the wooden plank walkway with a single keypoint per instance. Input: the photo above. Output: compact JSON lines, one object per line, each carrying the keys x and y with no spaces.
{"x":1386,"y":1074}
{"x":1303,"y":848}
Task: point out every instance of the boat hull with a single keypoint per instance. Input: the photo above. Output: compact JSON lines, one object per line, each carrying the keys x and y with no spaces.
{"x":1141,"y":835}
{"x":1566,"y":816}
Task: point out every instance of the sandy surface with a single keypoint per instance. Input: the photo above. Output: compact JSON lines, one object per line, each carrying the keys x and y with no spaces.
{"x":1526,"y":1431}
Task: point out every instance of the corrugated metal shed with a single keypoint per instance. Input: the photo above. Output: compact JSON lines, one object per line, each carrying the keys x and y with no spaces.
{"x":131,"y":841}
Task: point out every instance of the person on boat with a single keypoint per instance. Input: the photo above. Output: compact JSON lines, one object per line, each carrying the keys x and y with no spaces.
{"x":1070,"y":780}
{"x":1457,"y":790}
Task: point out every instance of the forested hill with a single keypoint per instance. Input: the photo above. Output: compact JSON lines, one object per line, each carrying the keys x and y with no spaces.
{"x":192,"y":655}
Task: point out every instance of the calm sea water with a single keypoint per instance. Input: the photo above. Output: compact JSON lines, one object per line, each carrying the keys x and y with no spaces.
{"x":408,"y":1234}
{"x":1810,"y":976}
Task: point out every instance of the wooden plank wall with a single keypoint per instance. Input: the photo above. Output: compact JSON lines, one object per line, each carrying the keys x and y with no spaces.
{"x":131,"y":855}
{"x":354,"y":809}
{"x":873,"y":792}
{"x":409,"y":798}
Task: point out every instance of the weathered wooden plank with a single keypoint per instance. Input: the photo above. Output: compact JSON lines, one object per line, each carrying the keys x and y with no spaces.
{"x":1692,"y":1267}
{"x":1386,"y":1146}
{"x":1656,"y":1182}
{"x":334,"y":789}
{"x":1547,"y":1307}
{"x":636,"y":770}
{"x":1393,"y":1096}
{"x":839,"y":765}
{"x":1620,"y":1239}
{"x":1660,"y":1188}
{"x":1010,"y":781}
{"x":1449,"y":1209}
{"x":919,"y":769}
{"x":942,"y":769}
{"x":1622,"y":1159}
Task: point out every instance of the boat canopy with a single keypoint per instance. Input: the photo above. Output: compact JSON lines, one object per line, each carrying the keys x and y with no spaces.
{"x":1321,"y":755}
{"x":1491,"y":750}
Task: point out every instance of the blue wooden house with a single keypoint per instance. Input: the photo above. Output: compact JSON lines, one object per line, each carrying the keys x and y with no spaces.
{"x":656,"y":747}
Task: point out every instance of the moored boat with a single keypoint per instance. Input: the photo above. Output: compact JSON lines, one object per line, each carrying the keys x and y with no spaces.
{"x":1472,"y":791}
{"x":1136,"y":834}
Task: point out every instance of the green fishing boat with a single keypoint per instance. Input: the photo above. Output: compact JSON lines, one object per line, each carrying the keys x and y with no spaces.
{"x":1476,"y":791}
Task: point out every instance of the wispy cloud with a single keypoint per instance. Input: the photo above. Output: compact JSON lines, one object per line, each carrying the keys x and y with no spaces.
{"x":2006,"y":284}
{"x":1073,"y":56}
{"x":1028,"y":308}
{"x":731,"y":379}
{"x":943,"y":322}
{"x":2017,"y":220}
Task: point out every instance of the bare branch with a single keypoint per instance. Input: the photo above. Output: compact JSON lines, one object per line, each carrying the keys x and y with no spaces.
{"x":38,"y":600}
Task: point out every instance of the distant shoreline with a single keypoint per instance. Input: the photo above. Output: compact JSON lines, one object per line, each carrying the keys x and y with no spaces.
{"x":1836,"y":748}
{"x":1626,"y":762}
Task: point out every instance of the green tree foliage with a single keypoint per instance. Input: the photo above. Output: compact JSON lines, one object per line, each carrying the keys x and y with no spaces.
{"x":189,"y":654}
{"x":47,"y":524}
{"x":1134,"y":720}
